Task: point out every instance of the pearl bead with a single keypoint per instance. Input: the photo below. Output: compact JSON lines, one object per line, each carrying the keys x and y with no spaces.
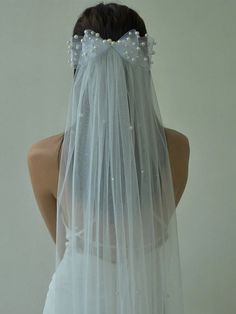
{"x":142,"y":171}
{"x":112,"y":178}
{"x":129,"y":52}
{"x":131,"y":127}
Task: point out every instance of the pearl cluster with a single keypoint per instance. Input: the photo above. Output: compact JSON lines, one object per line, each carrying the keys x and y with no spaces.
{"x":130,"y":46}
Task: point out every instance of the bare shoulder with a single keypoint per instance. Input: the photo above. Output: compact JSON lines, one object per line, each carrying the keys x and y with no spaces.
{"x":179,"y":153}
{"x":46,"y":144}
{"x":42,"y":162}
{"x":42,"y":165}
{"x":179,"y":150}
{"x":176,"y":139}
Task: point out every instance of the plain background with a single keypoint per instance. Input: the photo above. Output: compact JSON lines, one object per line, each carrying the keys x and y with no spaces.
{"x":195,"y":76}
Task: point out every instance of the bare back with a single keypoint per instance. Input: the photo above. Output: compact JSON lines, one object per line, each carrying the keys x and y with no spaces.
{"x":43,"y":163}
{"x":178,"y":148}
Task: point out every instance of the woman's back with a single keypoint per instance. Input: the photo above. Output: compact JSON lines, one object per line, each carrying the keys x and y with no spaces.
{"x":44,"y":158}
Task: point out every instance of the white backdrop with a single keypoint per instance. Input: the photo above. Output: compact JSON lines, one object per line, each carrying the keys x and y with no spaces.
{"x":195,"y":74}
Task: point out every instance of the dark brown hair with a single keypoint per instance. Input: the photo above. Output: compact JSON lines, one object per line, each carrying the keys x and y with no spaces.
{"x":110,"y":20}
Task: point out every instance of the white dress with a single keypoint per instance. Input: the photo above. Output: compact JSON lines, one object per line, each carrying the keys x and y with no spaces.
{"x":64,"y":292}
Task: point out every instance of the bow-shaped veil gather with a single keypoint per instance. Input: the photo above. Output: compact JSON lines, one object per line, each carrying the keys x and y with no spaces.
{"x":116,"y":219}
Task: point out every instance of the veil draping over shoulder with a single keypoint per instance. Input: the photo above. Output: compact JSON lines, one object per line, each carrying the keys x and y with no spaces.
{"x":116,"y":216}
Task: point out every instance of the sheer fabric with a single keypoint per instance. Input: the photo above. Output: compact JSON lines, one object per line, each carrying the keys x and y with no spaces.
{"x":116,"y":242}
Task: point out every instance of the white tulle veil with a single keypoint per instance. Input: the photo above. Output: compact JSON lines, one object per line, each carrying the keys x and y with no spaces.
{"x":115,"y":203}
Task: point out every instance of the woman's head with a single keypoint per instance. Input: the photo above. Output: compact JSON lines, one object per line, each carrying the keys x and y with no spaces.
{"x":110,"y":20}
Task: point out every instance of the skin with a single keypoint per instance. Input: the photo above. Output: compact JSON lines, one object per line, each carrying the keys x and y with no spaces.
{"x":43,"y":170}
